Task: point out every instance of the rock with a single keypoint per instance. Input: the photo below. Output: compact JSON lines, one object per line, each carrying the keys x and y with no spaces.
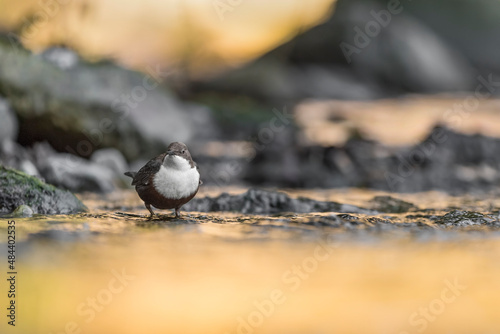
{"x":79,"y":107}
{"x":286,"y":163}
{"x":391,"y":205}
{"x":112,"y":159}
{"x":464,"y":218}
{"x":61,"y":57}
{"x":65,"y":170}
{"x":8,"y":153}
{"x":445,"y":160}
{"x":76,"y":174}
{"x":29,"y":168}
{"x":16,"y":156}
{"x":284,"y":155}
{"x":22,"y":211}
{"x":257,"y":201}
{"x":8,"y":123}
{"x":19,"y":189}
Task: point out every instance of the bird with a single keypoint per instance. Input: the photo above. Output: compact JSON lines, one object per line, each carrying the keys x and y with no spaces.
{"x":168,"y":181}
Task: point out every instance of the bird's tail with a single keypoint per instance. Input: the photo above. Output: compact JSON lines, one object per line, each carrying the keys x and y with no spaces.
{"x":131,"y":174}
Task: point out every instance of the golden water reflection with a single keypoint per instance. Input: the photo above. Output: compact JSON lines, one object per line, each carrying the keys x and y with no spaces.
{"x":112,"y":271}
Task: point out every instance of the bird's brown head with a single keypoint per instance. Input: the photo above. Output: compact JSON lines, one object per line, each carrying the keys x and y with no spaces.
{"x":178,"y":149}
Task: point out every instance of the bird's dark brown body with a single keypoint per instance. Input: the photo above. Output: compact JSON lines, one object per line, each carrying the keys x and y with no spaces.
{"x":150,"y":195}
{"x":168,"y":181}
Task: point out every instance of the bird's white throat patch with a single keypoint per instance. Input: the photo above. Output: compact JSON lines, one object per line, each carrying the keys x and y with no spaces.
{"x":176,"y":178}
{"x":176,"y":162}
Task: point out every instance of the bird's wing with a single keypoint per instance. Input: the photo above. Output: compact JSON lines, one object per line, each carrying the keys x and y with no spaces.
{"x":142,"y":177}
{"x":198,"y":169}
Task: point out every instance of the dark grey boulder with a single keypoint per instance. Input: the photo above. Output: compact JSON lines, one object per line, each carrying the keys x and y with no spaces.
{"x":258,"y":201}
{"x":19,"y":189}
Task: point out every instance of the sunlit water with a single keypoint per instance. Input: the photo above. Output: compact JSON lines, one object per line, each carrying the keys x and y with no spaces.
{"x":114,"y":271}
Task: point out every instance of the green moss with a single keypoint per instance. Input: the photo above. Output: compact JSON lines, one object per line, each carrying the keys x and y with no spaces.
{"x":18,"y":189}
{"x":16,"y":176}
{"x":390,"y":204}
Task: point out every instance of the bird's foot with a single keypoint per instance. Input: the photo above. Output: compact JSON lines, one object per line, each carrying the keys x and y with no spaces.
{"x":150,"y":211}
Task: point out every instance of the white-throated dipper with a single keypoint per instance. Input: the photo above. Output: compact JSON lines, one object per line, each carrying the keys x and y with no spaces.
{"x":168,"y":181}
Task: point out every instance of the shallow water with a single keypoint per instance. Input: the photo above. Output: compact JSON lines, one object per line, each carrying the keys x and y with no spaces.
{"x":114,"y":271}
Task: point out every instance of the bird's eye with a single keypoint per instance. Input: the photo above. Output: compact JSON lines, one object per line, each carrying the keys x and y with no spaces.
{"x":183,"y":151}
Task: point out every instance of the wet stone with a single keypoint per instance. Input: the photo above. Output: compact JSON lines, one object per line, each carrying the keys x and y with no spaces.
{"x":390,"y":204}
{"x":464,"y":218}
{"x":22,"y":211}
{"x":258,"y":201}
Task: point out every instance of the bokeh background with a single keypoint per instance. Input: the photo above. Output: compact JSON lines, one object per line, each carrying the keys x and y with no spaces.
{"x":358,"y":85}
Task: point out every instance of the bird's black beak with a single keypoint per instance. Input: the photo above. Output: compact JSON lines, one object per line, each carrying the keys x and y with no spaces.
{"x":170,"y":152}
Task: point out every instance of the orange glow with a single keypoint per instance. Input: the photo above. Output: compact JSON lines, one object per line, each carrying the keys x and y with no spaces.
{"x":196,"y":33}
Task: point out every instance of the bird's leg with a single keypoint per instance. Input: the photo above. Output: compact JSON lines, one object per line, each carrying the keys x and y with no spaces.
{"x":148,"y":206}
{"x":177,"y":214}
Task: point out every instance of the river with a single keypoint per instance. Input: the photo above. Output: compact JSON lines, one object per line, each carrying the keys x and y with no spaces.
{"x":111,"y":270}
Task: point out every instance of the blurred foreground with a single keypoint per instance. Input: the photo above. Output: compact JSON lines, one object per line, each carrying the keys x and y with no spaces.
{"x":112,"y":271}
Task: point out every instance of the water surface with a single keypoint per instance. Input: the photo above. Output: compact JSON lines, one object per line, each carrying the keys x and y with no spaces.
{"x":114,"y":271}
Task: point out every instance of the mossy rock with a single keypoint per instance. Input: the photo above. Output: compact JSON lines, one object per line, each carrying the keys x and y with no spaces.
{"x":388,"y":204}
{"x":18,"y":188}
